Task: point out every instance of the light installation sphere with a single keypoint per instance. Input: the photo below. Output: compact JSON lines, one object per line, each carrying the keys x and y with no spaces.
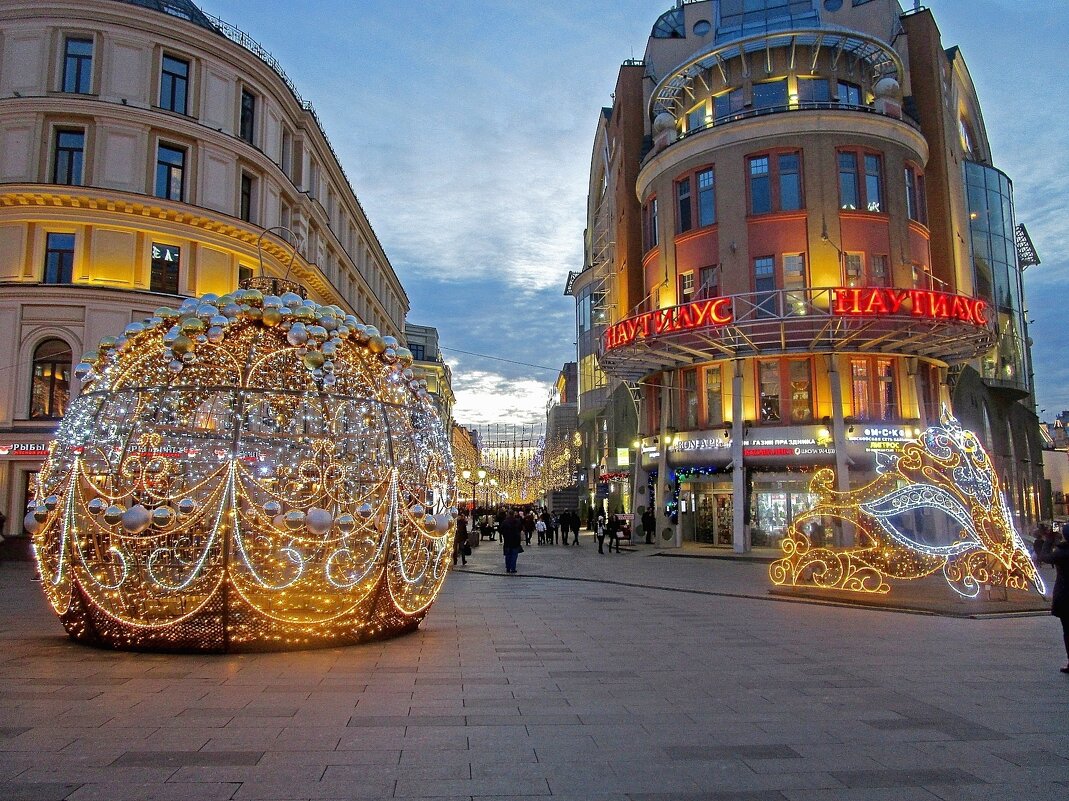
{"x":245,"y":473}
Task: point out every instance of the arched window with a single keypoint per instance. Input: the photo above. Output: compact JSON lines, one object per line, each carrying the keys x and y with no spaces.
{"x":51,"y":390}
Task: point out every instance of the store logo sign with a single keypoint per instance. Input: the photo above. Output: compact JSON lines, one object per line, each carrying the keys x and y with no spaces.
{"x":688,"y":317}
{"x":880,"y":301}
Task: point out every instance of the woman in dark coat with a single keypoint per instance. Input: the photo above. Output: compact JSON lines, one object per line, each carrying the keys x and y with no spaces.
{"x":1059,"y":557}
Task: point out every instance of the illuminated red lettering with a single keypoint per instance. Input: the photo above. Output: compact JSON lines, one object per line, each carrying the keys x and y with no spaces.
{"x":689,"y":316}
{"x":876,"y":303}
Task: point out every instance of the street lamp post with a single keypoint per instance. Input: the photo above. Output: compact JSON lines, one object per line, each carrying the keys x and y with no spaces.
{"x":491,"y":491}
{"x":475,"y":479}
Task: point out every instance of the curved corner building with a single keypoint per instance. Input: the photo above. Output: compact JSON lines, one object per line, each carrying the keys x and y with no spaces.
{"x":824,"y":256}
{"x":144,"y":148}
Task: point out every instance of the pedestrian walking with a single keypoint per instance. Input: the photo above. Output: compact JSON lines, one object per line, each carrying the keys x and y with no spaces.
{"x":511,"y":537}
{"x":649,"y":525}
{"x":613,"y":529}
{"x":528,"y":526}
{"x":461,"y":547}
{"x":600,"y":534}
{"x":575,"y":522}
{"x":1059,"y":607}
{"x":540,"y":529}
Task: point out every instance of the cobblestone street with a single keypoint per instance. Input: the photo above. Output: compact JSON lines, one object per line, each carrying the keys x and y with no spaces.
{"x":635,"y":683}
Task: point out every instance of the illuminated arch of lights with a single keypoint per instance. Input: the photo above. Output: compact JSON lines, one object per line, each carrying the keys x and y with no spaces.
{"x":246,"y":472}
{"x":943,"y":477}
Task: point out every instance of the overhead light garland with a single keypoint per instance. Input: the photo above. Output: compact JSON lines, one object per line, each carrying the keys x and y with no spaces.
{"x":944,"y":476}
{"x":245,"y":472}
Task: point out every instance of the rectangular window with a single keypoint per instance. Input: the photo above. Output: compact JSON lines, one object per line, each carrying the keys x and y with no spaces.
{"x":165,"y":265}
{"x":714,"y":396}
{"x":247,"y":126}
{"x":728,"y":104}
{"x":760,"y":186}
{"x":873,"y":182}
{"x":170,"y":172}
{"x":879,"y":275}
{"x":854,"y":266}
{"x":247,"y":184}
{"x":417,"y":351}
{"x":874,"y":389}
{"x":801,"y":391}
{"x":859,"y":382}
{"x":886,"y":392}
{"x":698,"y":117}
{"x":286,"y":156}
{"x":709,"y":278}
{"x":849,"y":191}
{"x":684,"y":218}
{"x":174,"y":84}
{"x":849,"y":94}
{"x":244,"y":274}
{"x":78,"y":66}
{"x":813,"y":90}
{"x":706,"y":198}
{"x":67,"y":162}
{"x":769,"y":389}
{"x":59,"y":259}
{"x":794,"y":271}
{"x":690,"y":399}
{"x":651,"y":234}
{"x":686,"y":287}
{"x":764,"y":270}
{"x":915,"y":200}
{"x":790,"y":182}
{"x":771,"y":94}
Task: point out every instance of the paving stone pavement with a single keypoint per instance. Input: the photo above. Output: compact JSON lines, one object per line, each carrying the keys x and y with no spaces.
{"x":602,"y":678}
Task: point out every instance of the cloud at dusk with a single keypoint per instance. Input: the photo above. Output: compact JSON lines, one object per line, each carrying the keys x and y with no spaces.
{"x":467,"y":128}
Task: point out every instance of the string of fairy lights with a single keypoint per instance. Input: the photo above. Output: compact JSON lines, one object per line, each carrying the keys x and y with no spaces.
{"x":245,"y":472}
{"x":945,"y":476}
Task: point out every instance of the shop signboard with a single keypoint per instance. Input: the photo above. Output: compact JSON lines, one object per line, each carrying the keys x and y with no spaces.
{"x":24,"y":450}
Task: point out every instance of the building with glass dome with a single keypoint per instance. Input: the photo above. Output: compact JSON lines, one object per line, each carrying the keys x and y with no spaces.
{"x":145,"y":149}
{"x":798,"y":251}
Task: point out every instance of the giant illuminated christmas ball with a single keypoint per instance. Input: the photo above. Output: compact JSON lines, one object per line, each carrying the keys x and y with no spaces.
{"x":245,"y":473}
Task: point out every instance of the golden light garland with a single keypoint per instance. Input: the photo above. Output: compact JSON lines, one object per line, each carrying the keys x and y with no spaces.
{"x":944,"y":476}
{"x":245,"y":473}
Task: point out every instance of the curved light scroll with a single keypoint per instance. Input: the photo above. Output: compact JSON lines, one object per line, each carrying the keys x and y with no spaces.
{"x":944,"y":475}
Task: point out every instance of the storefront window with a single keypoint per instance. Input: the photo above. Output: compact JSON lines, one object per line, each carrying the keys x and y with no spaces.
{"x":776,"y":504}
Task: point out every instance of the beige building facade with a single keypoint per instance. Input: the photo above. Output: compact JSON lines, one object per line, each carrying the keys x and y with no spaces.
{"x":148,"y":151}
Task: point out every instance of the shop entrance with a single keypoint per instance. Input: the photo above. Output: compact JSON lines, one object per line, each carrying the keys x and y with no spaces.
{"x":777,"y":501}
{"x":709,"y":513}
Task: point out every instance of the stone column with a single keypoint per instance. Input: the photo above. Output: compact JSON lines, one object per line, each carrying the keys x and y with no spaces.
{"x":740,"y":525}
{"x":838,"y":434}
{"x":661,"y":487}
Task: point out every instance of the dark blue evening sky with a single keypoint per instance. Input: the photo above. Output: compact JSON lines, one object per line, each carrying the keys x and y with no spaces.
{"x":466,"y":128}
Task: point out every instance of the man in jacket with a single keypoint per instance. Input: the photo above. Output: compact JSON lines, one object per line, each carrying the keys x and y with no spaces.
{"x":511,"y":535}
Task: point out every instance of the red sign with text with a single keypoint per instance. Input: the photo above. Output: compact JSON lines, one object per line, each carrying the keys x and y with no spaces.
{"x":688,"y":317}
{"x":875,"y":301}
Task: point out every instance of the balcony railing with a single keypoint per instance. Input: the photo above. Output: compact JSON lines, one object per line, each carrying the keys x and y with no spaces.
{"x":764,"y":111}
{"x":911,"y":322}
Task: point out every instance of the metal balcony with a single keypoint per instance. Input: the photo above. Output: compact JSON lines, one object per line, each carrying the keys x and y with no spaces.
{"x":797,"y":321}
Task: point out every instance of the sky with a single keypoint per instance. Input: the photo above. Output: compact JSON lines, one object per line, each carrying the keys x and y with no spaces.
{"x":466,"y":128}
